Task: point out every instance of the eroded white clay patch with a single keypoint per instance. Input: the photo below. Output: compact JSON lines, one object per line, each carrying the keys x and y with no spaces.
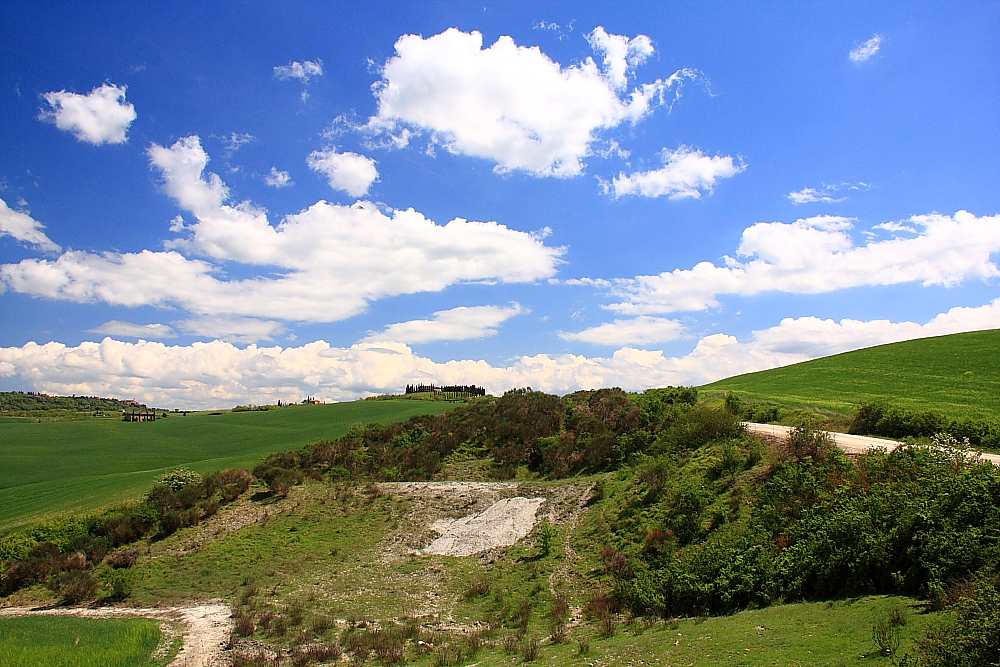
{"x":503,"y":524}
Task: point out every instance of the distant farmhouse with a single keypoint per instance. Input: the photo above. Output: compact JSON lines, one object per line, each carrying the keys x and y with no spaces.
{"x":456,"y":390}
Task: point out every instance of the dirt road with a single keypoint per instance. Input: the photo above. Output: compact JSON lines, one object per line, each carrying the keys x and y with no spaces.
{"x":852,"y":444}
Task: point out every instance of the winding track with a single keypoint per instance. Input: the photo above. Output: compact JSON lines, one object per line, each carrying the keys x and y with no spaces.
{"x":851,"y":444}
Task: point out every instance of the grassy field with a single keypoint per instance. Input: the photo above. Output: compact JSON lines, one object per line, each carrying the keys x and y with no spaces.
{"x":77,"y":466}
{"x":803,"y":635}
{"x":957,"y":375}
{"x":65,"y":641}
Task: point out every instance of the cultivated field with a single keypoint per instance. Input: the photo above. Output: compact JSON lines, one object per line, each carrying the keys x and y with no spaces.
{"x":957,"y":375}
{"x":80,"y":642}
{"x":77,"y":466}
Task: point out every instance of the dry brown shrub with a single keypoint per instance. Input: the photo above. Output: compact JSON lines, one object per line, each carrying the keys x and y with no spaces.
{"x":244,"y":625}
{"x":123,"y":559}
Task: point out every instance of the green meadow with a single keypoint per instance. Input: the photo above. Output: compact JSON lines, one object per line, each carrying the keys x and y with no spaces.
{"x":66,"y":641}
{"x":77,"y":466}
{"x":957,"y":376}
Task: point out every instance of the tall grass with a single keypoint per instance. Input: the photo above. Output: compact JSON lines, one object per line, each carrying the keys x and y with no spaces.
{"x":65,"y":641}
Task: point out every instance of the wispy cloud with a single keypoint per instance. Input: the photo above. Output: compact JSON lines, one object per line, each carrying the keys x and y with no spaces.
{"x":24,"y":228}
{"x":826,"y":193}
{"x":131,"y":330}
{"x":462,"y":323}
{"x":303,"y":71}
{"x":640,"y":330}
{"x":866,"y":50}
{"x":687,"y":173}
{"x":236,"y":141}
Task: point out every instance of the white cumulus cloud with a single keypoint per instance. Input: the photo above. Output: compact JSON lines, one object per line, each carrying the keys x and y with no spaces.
{"x":100,"y":117}
{"x":24,"y":228}
{"x":512,"y":104}
{"x":641,"y":330}
{"x":218,"y":374}
{"x":349,"y":172}
{"x":864,"y":51}
{"x":322,"y":264}
{"x":462,"y":323}
{"x":818,"y":254}
{"x":278,"y":179}
{"x":303,"y":71}
{"x":686,"y":174}
{"x":131,"y":330}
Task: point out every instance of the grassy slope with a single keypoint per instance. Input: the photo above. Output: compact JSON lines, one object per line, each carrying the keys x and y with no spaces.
{"x":78,"y":642}
{"x":77,"y":466}
{"x":957,"y":375}
{"x":330,"y":555}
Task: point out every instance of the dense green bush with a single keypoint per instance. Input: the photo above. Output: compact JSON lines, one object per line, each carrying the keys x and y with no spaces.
{"x":894,"y":422}
{"x":971,"y":637}
{"x":587,"y":431}
{"x":805,"y":523}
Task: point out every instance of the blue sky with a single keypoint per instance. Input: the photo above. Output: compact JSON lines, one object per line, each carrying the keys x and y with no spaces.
{"x":205,"y":205}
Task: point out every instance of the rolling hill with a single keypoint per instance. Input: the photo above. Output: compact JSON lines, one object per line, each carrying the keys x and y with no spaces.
{"x":957,"y":376}
{"x":76,"y":466}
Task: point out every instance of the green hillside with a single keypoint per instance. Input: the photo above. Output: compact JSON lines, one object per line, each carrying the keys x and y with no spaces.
{"x":956,"y":375}
{"x":75,"y":466}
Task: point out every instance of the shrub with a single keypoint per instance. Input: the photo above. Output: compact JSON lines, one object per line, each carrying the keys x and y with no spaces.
{"x":805,"y":443}
{"x":245,"y":625}
{"x":615,"y":562}
{"x":474,"y":642}
{"x":530,"y":649}
{"x":698,"y":427}
{"x":886,"y":637}
{"x":607,"y":626}
{"x":280,"y":480}
{"x":295,"y":613}
{"x":559,"y":611}
{"x":546,"y":534}
{"x":179,"y":478}
{"x":480,"y":586}
{"x":321,"y":624}
{"x":258,"y":658}
{"x":120,"y":584}
{"x":971,"y":639}
{"x":74,"y":586}
{"x":210,"y":508}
